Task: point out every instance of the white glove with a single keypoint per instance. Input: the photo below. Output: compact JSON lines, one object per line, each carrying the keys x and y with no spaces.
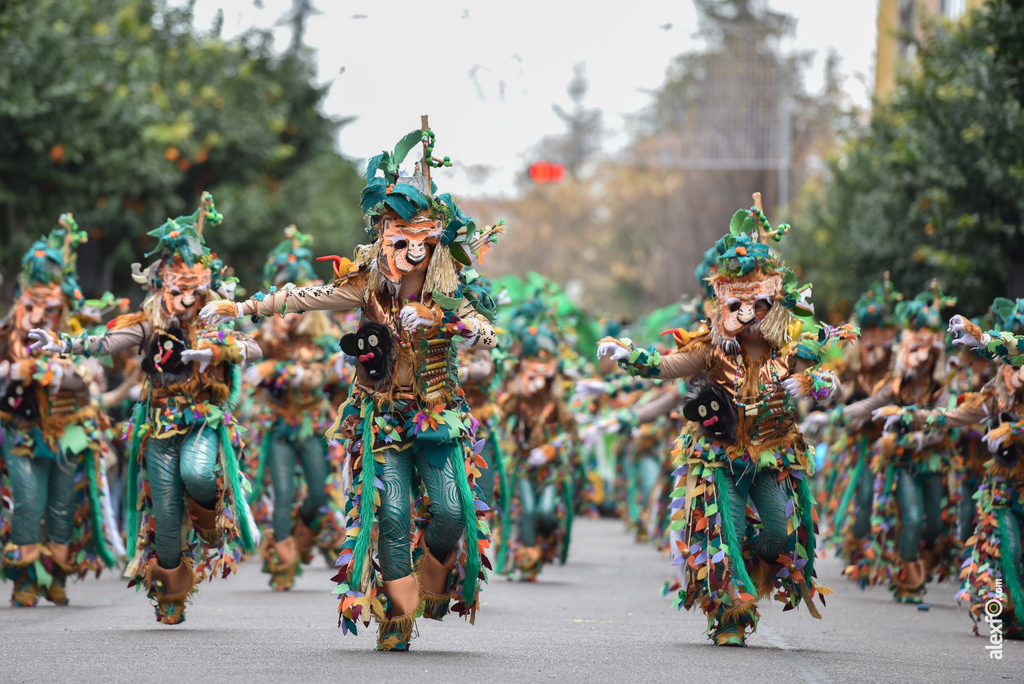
{"x":5,"y":368}
{"x":890,"y":421}
{"x":412,"y":320}
{"x":958,"y":329}
{"x":474,"y":333}
{"x":590,"y":388}
{"x":612,"y":350}
{"x":134,"y":392}
{"x":58,"y":378}
{"x":297,"y":374}
{"x":212,"y":316}
{"x":538,"y":457}
{"x":252,"y":376}
{"x":202,"y":356}
{"x":993,"y":442}
{"x":42,"y":340}
{"x":792,"y":387}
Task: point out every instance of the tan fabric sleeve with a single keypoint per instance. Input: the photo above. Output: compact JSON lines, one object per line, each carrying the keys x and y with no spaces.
{"x":683,"y":364}
{"x":486,"y":338}
{"x":253,"y":351}
{"x":962,"y":416}
{"x":345,"y":296}
{"x":860,"y":411}
{"x":658,"y":406}
{"x":114,"y":341}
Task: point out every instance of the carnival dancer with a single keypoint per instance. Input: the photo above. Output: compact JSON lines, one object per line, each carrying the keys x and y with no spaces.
{"x":993,"y":571}
{"x":54,"y":451}
{"x":410,"y":432}
{"x":188,"y":516}
{"x":912,"y":535}
{"x":744,"y":444}
{"x":298,"y":353}
{"x":537,"y":525}
{"x":849,"y":478}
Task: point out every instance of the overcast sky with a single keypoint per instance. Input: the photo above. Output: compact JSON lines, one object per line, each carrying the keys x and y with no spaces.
{"x":488,"y":72}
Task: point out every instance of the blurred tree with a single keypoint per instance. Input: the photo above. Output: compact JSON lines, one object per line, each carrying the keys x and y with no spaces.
{"x":582,"y":138}
{"x":123,"y":112}
{"x":934,"y":185}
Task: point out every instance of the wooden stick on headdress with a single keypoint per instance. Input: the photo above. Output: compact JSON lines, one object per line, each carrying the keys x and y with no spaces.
{"x":69,"y":236}
{"x":203,"y":211}
{"x":425,"y":164}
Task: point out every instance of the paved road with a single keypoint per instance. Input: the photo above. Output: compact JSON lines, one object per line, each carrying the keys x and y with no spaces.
{"x":600,"y":618}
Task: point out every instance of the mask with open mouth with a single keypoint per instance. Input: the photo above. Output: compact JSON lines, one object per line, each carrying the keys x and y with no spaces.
{"x":20,"y":401}
{"x":406,"y":246}
{"x":371,"y":346}
{"x":711,"y":409}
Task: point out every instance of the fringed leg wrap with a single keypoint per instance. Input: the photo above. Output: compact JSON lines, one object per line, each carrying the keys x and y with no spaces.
{"x":56,"y":557}
{"x":402,"y":599}
{"x":908,"y":583}
{"x":20,"y":566}
{"x":529,"y":560}
{"x":735,"y":623}
{"x":204,"y":522}
{"x":436,"y":586}
{"x":171,"y":589}
{"x":305,"y":539}
{"x":281,"y":562}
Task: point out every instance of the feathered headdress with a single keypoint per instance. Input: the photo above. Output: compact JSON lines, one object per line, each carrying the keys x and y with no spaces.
{"x":925,"y":310}
{"x":387,"y":190}
{"x":52,"y":260}
{"x":874,"y":309}
{"x":182,"y":238}
{"x":291,"y":261}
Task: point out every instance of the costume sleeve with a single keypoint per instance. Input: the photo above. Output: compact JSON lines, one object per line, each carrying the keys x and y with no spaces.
{"x":343,"y":296}
{"x":486,"y":339}
{"x":682,"y":364}
{"x":658,"y":406}
{"x":860,"y":411}
{"x":130,"y":337}
{"x":973,"y":409}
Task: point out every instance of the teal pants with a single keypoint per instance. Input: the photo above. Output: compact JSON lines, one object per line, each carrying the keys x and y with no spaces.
{"x":647,"y":471}
{"x":769,"y":497}
{"x":44,"y":495}
{"x":178,"y":465}
{"x":920,"y":500}
{"x":311,"y":455}
{"x":395,"y":512}
{"x":864,"y":496}
{"x":487,"y":477}
{"x":537,"y":510}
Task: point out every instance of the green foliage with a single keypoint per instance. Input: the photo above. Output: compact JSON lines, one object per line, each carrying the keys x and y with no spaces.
{"x":934,"y":186}
{"x":123,"y":112}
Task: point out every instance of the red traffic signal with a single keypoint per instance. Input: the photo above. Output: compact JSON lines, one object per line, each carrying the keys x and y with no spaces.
{"x":546,"y":172}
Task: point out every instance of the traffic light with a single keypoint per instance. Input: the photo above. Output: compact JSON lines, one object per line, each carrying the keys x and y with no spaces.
{"x":546,"y":172}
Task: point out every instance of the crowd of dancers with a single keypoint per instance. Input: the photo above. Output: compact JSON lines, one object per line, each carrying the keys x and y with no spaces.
{"x":423,"y":428}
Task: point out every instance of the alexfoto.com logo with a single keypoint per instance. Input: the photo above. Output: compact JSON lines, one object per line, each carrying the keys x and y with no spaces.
{"x":993,"y":616}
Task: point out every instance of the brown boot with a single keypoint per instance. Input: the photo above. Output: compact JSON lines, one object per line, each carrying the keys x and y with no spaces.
{"x":19,"y":566}
{"x":171,"y":589}
{"x":528,"y":562}
{"x":434,"y":589}
{"x":305,"y":538}
{"x":403,"y":598}
{"x":60,"y":554}
{"x":204,"y":522}
{"x":281,"y":560}
{"x":908,"y":583}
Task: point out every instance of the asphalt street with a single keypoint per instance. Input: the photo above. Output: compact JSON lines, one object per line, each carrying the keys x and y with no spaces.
{"x":599,"y":618}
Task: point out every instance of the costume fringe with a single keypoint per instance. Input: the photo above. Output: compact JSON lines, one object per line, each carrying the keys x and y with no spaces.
{"x":249,"y":534}
{"x":806,"y":504}
{"x":468,"y":505}
{"x":442,"y":275}
{"x":1011,"y":578}
{"x":92,"y":462}
{"x":261,"y":467}
{"x":139,"y":430}
{"x":735,"y":554}
{"x":851,"y":488}
{"x":367,"y":505}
